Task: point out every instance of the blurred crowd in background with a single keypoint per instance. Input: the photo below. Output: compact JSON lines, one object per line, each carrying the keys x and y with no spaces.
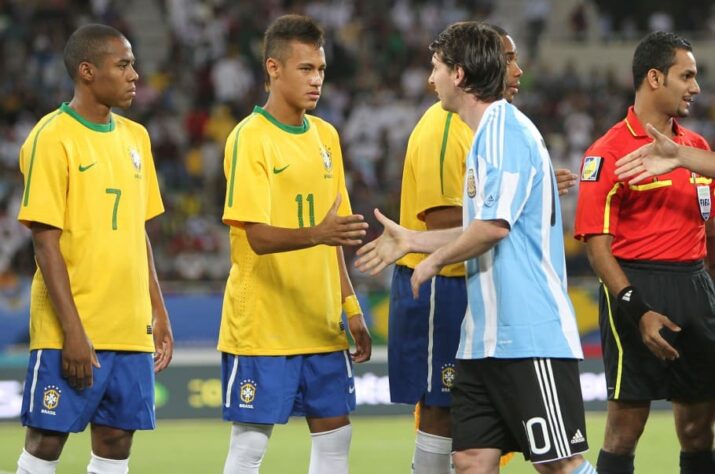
{"x":200,"y":66}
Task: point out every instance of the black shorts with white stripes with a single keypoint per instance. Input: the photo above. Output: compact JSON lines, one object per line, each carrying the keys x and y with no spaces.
{"x":533,"y":406}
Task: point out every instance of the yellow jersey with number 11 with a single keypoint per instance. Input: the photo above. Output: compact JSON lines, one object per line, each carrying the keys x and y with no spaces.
{"x":284,"y":176}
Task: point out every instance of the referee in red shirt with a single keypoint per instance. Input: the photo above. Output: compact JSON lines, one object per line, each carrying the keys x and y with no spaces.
{"x":646,"y":243}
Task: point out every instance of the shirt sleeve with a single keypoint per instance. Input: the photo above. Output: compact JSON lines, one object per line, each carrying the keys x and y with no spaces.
{"x":248,"y":195}
{"x":336,"y":155}
{"x":439,"y":167}
{"x":154,"y":204}
{"x":43,"y":163}
{"x":504,"y":179}
{"x":599,"y":195}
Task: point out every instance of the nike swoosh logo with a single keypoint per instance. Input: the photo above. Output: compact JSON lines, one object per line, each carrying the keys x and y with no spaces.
{"x":279,"y":170}
{"x":351,"y":389}
{"x":85,"y":168}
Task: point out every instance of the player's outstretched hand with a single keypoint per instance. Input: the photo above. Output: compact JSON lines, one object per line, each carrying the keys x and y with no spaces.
{"x":163,"y":343}
{"x":565,"y":180}
{"x":653,"y":159}
{"x":650,"y":326}
{"x":424,"y":271}
{"x":393,"y":244}
{"x":340,"y":230}
{"x":78,"y":357}
{"x":361,"y":336}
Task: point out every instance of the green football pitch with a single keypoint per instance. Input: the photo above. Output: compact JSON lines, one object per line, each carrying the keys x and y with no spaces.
{"x":381,"y":445}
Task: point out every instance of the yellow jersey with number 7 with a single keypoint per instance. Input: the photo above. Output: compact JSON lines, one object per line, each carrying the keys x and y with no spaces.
{"x":97,"y":184}
{"x":284,"y":176}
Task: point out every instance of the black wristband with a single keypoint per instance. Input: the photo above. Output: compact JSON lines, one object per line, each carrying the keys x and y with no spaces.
{"x":632,"y":304}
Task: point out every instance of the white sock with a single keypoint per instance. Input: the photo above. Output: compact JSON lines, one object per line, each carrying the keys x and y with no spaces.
{"x":29,"y":464}
{"x":433,"y":454}
{"x":246,"y":448}
{"x":100,"y":465}
{"x":329,"y":451}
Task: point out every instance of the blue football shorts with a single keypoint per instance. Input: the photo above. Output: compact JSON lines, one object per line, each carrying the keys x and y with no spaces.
{"x":423,"y":336}
{"x":270,"y":389}
{"x":121,"y":395}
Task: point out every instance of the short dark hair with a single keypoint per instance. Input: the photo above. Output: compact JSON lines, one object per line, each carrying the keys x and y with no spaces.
{"x":478,"y":49}
{"x":656,"y":51}
{"x":88,"y":43}
{"x":289,"y":28}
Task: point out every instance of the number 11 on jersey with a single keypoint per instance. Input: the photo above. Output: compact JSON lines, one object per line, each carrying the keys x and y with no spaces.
{"x":311,"y":209}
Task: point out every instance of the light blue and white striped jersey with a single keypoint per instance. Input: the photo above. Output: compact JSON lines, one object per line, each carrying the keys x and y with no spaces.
{"x":518,"y":303}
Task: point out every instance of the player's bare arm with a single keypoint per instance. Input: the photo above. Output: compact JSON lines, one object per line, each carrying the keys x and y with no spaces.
{"x":356,"y":320}
{"x":396,"y":241}
{"x":443,"y":217}
{"x":565,"y":180}
{"x":333,"y":230}
{"x":477,"y":239}
{"x":598,"y":249}
{"x":163,"y":337}
{"x":78,"y":354}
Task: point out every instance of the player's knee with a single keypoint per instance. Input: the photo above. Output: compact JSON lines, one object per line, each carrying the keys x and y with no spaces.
{"x":43,"y":444}
{"x":111,"y":443}
{"x":334,"y":442}
{"x":572,"y":465}
{"x":329,"y":451}
{"x":247,"y":446}
{"x":435,"y":420}
{"x":695,"y":435}
{"x":100,"y":465}
{"x":476,"y":460}
{"x":622,"y":439}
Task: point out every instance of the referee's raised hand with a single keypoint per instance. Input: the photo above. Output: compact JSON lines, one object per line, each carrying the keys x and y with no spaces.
{"x":651,"y":326}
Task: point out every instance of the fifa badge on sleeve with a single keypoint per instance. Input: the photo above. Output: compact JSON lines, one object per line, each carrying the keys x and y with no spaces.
{"x":591,"y":169}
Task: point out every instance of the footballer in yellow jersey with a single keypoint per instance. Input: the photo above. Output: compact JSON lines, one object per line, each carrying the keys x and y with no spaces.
{"x":284,"y":176}
{"x":97,"y":183}
{"x":283,"y":342}
{"x":98,"y":325}
{"x":433,"y":173}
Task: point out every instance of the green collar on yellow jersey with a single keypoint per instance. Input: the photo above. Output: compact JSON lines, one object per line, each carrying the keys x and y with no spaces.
{"x":286,"y":128}
{"x":97,"y":127}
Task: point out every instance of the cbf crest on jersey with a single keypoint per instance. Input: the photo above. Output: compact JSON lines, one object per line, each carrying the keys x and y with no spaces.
{"x":448,"y":374}
{"x":471,"y":183}
{"x":247,"y":393}
{"x":591,"y":168}
{"x":50,"y":399}
{"x":136,"y":158}
{"x":327,"y":157}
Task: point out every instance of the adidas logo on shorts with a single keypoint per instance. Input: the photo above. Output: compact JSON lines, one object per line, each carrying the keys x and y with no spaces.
{"x":578,"y":438}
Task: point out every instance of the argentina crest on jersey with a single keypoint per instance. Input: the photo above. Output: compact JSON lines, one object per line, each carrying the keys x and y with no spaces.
{"x":471,"y":183}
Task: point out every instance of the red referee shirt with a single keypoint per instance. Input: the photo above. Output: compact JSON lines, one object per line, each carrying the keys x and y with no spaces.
{"x":658,"y":219}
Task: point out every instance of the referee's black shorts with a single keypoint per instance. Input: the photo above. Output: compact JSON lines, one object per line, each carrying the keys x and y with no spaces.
{"x":683,"y":292}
